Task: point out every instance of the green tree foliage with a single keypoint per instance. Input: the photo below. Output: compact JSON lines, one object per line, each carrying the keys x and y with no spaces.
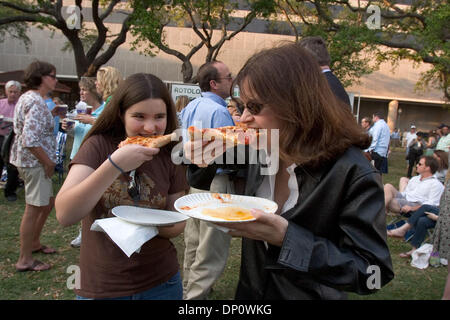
{"x":209,"y":19}
{"x":14,"y":29}
{"x":92,"y":47}
{"x":418,"y":31}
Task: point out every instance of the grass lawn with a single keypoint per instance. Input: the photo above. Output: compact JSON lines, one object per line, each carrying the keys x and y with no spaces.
{"x":409,"y":283}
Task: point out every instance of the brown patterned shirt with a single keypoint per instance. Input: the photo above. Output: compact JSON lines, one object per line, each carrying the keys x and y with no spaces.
{"x":106,"y":271}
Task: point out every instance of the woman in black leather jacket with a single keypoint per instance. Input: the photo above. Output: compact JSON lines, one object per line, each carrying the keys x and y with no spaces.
{"x":329,"y":234}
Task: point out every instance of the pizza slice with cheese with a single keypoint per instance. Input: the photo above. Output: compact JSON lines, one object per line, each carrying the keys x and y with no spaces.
{"x":157,"y":141}
{"x":230,"y":135}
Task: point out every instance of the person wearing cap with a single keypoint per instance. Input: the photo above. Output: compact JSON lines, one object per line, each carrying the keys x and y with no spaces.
{"x":410,"y":137}
{"x":444,"y":142}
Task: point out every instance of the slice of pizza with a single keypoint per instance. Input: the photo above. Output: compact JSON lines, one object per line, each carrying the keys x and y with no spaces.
{"x":230,"y":135}
{"x":157,"y":141}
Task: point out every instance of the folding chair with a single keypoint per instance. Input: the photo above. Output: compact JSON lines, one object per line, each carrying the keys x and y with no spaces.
{"x":397,"y":218}
{"x":60,"y":155}
{"x":401,"y":218}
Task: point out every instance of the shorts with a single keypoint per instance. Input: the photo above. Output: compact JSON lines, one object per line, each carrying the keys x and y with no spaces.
{"x":401,"y":200}
{"x":38,"y":188}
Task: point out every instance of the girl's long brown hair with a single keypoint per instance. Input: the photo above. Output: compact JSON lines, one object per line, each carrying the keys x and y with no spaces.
{"x":136,"y":88}
{"x":317,"y":127}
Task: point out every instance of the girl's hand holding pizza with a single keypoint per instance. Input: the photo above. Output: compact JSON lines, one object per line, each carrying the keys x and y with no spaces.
{"x":132,"y":156}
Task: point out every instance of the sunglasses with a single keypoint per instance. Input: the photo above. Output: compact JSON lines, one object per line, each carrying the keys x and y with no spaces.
{"x":420,"y":164}
{"x":253,"y":107}
{"x":134,"y":187}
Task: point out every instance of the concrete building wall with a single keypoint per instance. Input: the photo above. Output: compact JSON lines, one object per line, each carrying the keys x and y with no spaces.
{"x":425,"y":117}
{"x":47,"y":46}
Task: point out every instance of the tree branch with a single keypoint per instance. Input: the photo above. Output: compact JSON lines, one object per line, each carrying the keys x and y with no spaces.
{"x":102,"y":31}
{"x":194,"y":25}
{"x":109,"y":53}
{"x":108,"y":10}
{"x":20,"y":8}
{"x":8,"y":20}
{"x":387,"y":15}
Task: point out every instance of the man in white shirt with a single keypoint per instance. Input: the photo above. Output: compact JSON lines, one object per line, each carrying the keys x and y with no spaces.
{"x":422,"y":189}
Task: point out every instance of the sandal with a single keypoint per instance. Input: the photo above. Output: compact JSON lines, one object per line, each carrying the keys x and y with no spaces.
{"x":35,"y":266}
{"x":45,"y":250}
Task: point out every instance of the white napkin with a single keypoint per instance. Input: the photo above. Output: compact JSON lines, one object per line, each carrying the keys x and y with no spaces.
{"x":421,"y":256}
{"x":128,"y":236}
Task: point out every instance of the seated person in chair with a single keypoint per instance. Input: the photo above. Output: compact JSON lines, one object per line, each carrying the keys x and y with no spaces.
{"x":422,"y":189}
{"x":420,"y":221}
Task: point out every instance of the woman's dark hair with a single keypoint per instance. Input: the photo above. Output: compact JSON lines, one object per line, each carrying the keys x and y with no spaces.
{"x":443,"y":159}
{"x":136,"y":88}
{"x":35,"y":71}
{"x":316,"y":126}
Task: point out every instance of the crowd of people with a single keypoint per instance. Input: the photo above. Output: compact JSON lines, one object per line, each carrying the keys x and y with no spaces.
{"x":422,"y":193}
{"x":330,"y":226}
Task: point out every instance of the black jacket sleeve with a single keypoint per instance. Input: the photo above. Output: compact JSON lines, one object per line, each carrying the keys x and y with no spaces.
{"x":359,"y":259}
{"x":201,"y":178}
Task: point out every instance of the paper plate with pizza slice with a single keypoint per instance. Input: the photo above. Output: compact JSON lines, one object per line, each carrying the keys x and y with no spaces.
{"x":224,"y":208}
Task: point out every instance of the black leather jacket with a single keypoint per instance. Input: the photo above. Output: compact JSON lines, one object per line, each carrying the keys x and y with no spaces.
{"x":335,"y":241}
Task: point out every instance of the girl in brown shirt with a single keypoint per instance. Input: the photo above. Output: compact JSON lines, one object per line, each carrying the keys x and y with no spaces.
{"x":141,"y":106}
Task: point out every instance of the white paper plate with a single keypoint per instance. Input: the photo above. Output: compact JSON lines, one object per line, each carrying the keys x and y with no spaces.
{"x":147,"y":216}
{"x":193,"y":204}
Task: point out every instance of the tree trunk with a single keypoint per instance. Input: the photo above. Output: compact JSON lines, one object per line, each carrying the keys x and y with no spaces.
{"x":187,"y":70}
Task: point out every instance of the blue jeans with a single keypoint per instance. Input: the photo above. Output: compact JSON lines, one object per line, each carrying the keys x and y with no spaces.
{"x":420,"y":222}
{"x":170,"y":290}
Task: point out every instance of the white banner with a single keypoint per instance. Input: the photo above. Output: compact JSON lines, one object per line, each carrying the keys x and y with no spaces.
{"x":191,"y":90}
